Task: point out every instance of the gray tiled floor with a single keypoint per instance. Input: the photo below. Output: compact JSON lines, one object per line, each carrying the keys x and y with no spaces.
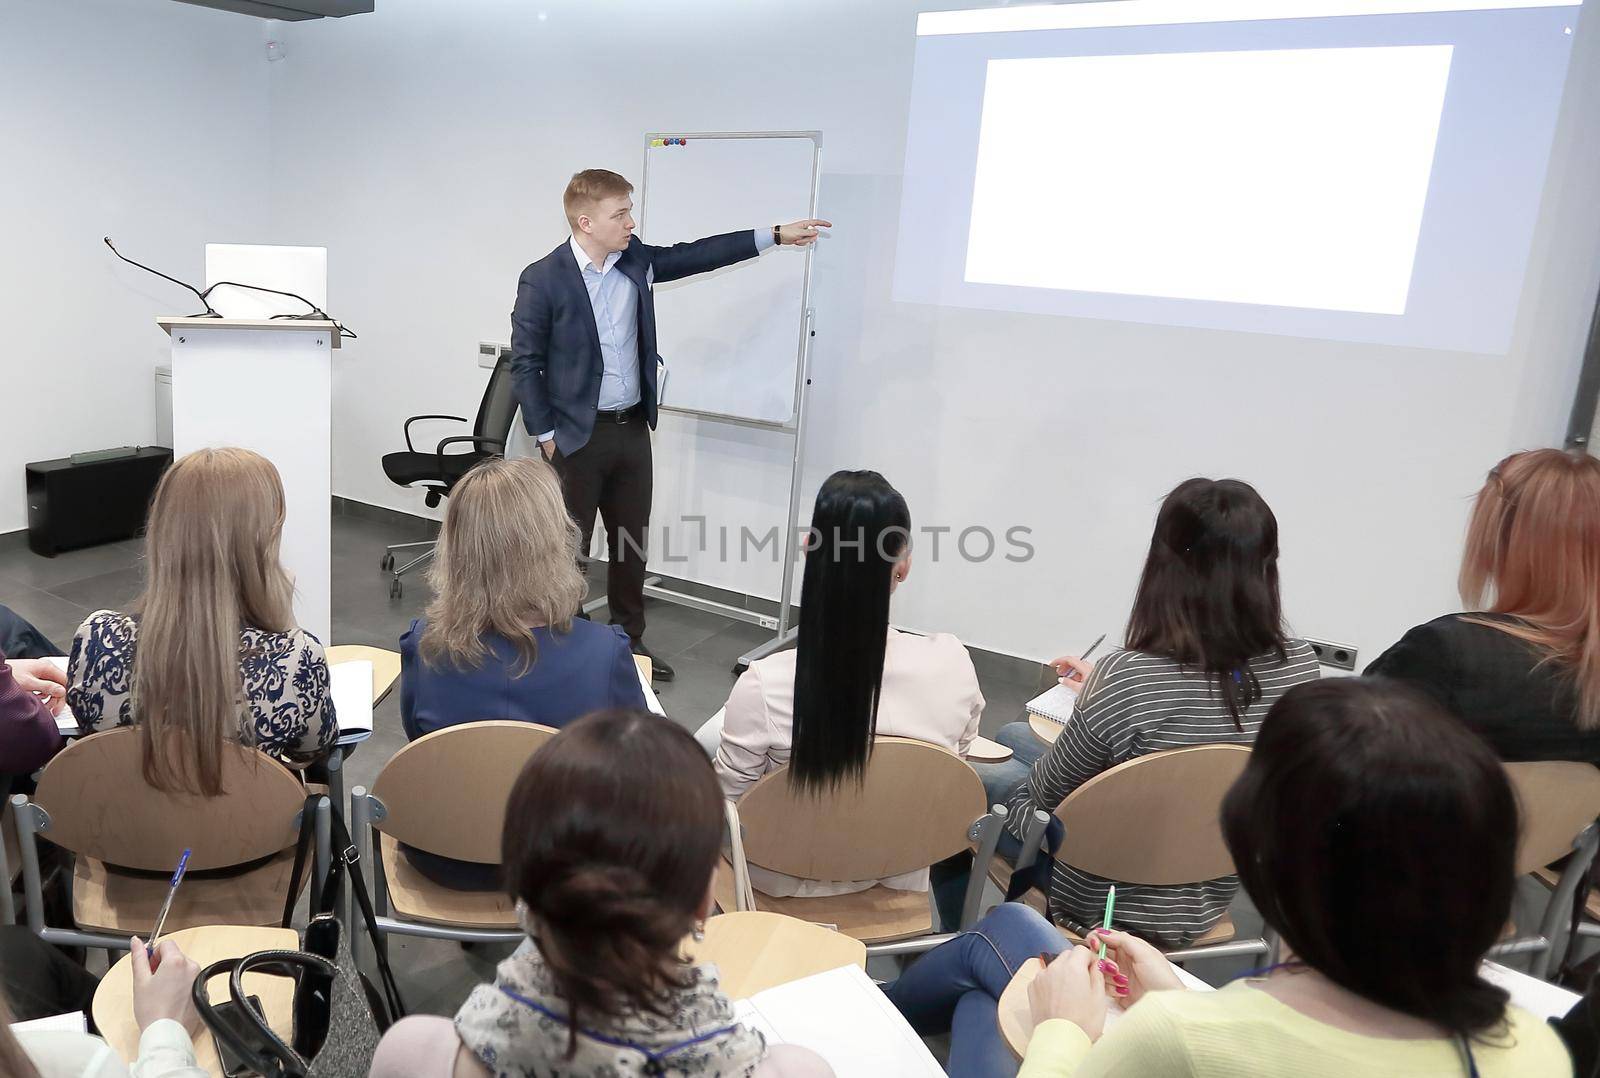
{"x":56,"y":594}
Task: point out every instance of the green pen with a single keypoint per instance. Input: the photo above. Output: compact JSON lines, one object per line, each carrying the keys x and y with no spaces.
{"x":1111,"y":901}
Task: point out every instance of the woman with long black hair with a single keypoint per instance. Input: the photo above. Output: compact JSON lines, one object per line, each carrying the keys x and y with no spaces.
{"x":851,"y":676}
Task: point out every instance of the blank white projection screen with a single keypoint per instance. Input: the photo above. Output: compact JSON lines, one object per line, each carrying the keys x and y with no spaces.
{"x":1328,"y":154}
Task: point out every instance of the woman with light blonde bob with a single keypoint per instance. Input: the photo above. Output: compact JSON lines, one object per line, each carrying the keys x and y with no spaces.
{"x":209,"y":653}
{"x":499,"y":640}
{"x":1522,"y":666}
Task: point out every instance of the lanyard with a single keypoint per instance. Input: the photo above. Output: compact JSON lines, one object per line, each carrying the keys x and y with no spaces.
{"x":653,"y":1061}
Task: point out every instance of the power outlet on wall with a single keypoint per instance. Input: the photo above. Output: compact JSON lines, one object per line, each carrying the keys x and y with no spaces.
{"x":491,"y":352}
{"x":1342,"y":656}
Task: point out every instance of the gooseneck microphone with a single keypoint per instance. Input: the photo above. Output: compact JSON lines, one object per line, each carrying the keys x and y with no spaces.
{"x":315,"y":312}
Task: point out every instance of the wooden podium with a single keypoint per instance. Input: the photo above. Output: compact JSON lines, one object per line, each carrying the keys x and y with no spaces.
{"x":267,"y":385}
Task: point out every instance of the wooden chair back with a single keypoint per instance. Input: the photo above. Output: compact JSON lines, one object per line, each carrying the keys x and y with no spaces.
{"x":914,"y":808}
{"x":1556,"y":800}
{"x":101,"y":807}
{"x":1154,"y":820}
{"x":446,"y":792}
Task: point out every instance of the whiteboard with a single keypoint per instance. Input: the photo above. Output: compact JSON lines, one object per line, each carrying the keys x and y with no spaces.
{"x":732,"y":340}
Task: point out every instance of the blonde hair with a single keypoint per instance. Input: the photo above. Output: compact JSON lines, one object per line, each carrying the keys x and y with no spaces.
{"x":211,"y":569}
{"x":587,"y":188}
{"x":506,"y":563}
{"x":1533,"y":551}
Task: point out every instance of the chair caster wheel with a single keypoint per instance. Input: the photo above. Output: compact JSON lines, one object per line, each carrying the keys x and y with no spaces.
{"x":395,"y":590}
{"x":387,"y":561}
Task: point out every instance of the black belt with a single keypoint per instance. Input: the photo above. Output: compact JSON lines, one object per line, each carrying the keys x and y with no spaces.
{"x":620,"y":415}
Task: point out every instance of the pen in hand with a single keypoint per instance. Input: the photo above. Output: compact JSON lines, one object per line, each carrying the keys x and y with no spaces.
{"x":166,"y":906}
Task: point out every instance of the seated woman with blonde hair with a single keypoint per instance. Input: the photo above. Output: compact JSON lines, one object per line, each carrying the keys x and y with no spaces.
{"x":210,"y":650}
{"x":499,"y":640}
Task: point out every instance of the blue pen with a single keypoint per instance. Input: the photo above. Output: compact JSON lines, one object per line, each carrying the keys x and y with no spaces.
{"x":161,"y":919}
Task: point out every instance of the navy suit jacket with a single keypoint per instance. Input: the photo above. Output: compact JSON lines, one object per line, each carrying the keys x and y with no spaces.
{"x":587,"y":669}
{"x":555,"y":348}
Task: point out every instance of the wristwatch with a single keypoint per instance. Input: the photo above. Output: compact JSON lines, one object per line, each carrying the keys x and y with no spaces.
{"x":776,"y":238}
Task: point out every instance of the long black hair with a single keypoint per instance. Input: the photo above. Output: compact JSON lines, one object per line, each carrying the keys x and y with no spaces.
{"x":1208,"y":597}
{"x":1378,"y":835}
{"x":859,"y":530}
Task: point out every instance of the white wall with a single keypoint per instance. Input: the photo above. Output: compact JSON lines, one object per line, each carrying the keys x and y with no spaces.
{"x":141,"y":120}
{"x":427,"y":145}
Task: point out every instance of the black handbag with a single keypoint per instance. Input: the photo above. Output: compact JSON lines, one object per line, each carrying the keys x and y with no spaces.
{"x":339,"y":1014}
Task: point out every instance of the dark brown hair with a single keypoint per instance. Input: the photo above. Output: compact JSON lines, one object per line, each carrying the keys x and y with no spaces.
{"x":1378,"y":835}
{"x":1208,"y":597}
{"x":611,"y":836}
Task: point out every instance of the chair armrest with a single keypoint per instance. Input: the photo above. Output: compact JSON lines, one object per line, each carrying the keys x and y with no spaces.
{"x":473,"y":438}
{"x":412,"y":449}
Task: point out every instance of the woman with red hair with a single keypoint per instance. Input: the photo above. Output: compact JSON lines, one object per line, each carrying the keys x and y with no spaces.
{"x":1522,"y":666}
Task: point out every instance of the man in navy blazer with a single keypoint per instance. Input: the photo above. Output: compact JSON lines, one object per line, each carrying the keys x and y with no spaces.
{"x":584,"y":363}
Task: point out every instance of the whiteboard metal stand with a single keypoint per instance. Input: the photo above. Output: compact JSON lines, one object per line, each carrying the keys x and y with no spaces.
{"x":796,"y":427}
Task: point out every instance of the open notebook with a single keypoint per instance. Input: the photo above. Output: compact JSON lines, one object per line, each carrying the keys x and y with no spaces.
{"x":843,"y":1017}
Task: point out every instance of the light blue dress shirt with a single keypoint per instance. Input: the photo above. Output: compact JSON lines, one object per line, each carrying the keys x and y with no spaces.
{"x":615,"y":300}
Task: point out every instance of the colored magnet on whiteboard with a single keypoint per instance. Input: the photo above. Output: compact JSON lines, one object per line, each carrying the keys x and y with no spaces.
{"x":658,"y":142}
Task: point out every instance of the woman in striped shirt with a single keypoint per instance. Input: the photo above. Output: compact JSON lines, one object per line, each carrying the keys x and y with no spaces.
{"x":1206,"y":656}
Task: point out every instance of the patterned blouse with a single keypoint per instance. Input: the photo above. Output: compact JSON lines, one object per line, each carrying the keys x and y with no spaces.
{"x":285,"y":684}
{"x":517,"y":1029}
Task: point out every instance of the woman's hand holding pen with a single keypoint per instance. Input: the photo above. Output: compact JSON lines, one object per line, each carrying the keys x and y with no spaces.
{"x":1135,"y":964}
{"x":163,"y":985}
{"x":1072,"y":671}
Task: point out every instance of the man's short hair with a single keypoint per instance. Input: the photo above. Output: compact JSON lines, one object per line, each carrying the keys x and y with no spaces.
{"x":587,"y":188}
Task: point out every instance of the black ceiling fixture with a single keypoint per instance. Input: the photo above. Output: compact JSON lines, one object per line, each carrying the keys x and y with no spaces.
{"x":290,"y":10}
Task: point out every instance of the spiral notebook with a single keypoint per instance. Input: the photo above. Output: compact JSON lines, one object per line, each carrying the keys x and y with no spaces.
{"x":1055,"y":703}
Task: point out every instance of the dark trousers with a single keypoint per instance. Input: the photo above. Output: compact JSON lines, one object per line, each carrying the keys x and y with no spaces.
{"x":37,"y":979}
{"x":613,"y":474}
{"x":20,"y":640}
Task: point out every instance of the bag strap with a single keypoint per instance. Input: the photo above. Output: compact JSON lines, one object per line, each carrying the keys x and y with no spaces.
{"x":346,"y":855}
{"x":1580,"y":900}
{"x":267,"y":1056}
{"x":308,"y":826}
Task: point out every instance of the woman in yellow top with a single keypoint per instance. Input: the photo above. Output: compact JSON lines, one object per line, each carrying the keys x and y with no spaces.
{"x":1377,"y":835}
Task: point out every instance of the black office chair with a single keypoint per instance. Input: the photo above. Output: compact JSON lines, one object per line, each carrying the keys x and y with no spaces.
{"x":438,"y":472}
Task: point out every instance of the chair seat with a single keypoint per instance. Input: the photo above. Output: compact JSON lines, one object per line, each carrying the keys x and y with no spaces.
{"x":416,"y":898}
{"x":406,"y":468}
{"x":108,"y":899}
{"x":1221,"y":932}
{"x":877,"y":915}
{"x":1000,"y":874}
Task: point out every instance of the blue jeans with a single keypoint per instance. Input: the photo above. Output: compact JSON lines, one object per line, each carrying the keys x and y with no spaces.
{"x":1001,"y":778}
{"x":949,"y":877}
{"x":956,"y":987}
